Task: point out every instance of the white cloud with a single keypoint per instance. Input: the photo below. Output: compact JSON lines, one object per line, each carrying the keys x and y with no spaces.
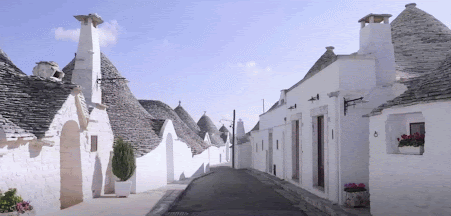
{"x":108,"y":33}
{"x":268,"y":68}
{"x":250,"y":64}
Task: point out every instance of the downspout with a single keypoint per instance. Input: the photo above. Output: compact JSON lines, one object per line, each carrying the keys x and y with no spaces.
{"x":338,"y":149}
{"x":283,"y":151}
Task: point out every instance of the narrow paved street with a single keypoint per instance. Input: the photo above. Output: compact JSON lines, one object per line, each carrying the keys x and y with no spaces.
{"x":235,"y":192}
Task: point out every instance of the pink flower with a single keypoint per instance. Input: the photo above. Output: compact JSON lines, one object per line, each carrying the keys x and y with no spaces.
{"x":361,"y":185}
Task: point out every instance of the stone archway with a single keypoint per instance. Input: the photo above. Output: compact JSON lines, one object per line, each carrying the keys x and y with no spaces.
{"x":71,"y":192}
{"x":169,"y":158}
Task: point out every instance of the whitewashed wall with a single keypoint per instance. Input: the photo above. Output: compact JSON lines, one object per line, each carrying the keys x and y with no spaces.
{"x":324,"y":82}
{"x":243,"y":155}
{"x":34,"y":169}
{"x":412,"y":184}
{"x":99,"y":126}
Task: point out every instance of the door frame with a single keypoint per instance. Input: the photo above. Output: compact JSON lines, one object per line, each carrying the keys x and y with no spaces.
{"x":314,"y":114}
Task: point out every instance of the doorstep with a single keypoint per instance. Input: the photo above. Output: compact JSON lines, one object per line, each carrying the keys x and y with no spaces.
{"x":320,"y":203}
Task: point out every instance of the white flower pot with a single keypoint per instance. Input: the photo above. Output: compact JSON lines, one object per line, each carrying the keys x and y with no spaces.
{"x":122,"y":189}
{"x":357,"y":199}
{"x":410,"y":150}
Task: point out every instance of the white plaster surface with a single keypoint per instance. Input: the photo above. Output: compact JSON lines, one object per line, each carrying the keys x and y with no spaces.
{"x":412,"y":184}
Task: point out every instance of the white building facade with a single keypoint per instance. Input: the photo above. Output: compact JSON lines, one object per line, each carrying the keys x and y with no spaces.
{"x":314,"y":136}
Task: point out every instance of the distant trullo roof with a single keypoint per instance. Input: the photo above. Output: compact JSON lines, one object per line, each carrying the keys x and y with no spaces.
{"x":161,"y":110}
{"x":206,"y":126}
{"x":189,"y":121}
{"x":224,"y":132}
{"x":420,"y":41}
{"x":28,"y":103}
{"x":128,"y":118}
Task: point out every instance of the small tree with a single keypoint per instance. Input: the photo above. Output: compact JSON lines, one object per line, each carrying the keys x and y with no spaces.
{"x":124,"y":163}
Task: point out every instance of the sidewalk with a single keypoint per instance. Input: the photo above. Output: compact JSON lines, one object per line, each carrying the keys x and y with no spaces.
{"x":135,"y":204}
{"x":150,"y":203}
{"x":320,"y":203}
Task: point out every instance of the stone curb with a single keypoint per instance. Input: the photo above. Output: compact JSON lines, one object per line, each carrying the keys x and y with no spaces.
{"x":171,"y":197}
{"x":318,"y":202}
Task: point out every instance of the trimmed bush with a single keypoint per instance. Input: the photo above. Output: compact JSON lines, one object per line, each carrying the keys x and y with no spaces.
{"x":124,"y":163}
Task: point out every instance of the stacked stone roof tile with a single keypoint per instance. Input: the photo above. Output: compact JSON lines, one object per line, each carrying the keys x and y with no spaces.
{"x":206,"y":126}
{"x":128,"y":118}
{"x":189,"y":121}
{"x":29,"y":103}
{"x":161,"y":110}
{"x":422,"y":45}
{"x":431,"y":87}
{"x":420,"y":41}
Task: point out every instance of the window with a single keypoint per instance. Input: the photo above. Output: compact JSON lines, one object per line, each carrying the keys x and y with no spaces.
{"x":93,"y":143}
{"x":417,"y":127}
{"x":277,"y":144}
{"x":262,"y":145}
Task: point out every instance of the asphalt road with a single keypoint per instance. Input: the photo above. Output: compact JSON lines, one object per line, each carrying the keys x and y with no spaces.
{"x":233,"y":192}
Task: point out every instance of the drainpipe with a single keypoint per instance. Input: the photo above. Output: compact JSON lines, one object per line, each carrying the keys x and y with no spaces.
{"x":338,"y":149}
{"x":283,"y":151}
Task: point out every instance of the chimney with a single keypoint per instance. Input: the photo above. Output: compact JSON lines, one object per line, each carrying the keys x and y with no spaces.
{"x":240,"y":129}
{"x":48,"y":69}
{"x":87,"y":59}
{"x":375,"y":39}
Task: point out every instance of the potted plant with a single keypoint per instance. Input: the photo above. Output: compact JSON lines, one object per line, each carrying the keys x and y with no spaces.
{"x":11,"y":204}
{"x":411,"y":144}
{"x":356,"y":195}
{"x":124,"y":166}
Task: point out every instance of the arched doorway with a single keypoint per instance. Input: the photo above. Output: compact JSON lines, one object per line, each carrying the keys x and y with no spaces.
{"x":170,"y":158}
{"x":70,"y":165}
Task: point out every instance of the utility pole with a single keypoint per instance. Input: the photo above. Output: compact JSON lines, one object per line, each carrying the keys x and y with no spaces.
{"x":233,"y":141}
{"x":263,"y":105}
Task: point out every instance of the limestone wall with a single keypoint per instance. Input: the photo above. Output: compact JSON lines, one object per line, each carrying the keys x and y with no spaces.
{"x":412,"y":184}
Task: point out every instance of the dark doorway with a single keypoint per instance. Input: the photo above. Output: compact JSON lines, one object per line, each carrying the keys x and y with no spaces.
{"x":270,"y":148}
{"x":295,"y":149}
{"x":321,"y":151}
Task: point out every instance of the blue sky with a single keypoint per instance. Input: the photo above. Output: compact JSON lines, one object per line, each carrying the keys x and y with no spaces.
{"x":214,"y":56}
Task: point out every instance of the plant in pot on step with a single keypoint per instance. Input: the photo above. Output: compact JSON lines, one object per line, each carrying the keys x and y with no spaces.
{"x":124,"y":165}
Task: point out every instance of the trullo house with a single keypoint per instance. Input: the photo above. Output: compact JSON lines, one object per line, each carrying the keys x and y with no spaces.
{"x":403,"y":183}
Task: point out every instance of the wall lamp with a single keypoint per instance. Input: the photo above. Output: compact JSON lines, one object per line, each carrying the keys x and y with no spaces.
{"x":292,"y":107}
{"x":314,"y":98}
{"x":352,"y":102}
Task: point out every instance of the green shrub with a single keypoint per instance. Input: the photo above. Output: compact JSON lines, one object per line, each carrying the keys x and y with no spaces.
{"x":9,"y":200}
{"x":124,"y":163}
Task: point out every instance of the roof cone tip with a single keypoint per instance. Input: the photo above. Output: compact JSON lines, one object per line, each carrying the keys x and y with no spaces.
{"x":411,"y":5}
{"x":330,"y":48}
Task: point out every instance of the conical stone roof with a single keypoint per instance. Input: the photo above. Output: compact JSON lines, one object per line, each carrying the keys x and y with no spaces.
{"x":28,"y":103}
{"x":189,"y":121}
{"x":224,"y":132}
{"x":161,"y":110}
{"x":206,"y":126}
{"x":223,"y":129}
{"x":420,"y":41}
{"x":128,"y":119}
{"x":431,"y":87}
